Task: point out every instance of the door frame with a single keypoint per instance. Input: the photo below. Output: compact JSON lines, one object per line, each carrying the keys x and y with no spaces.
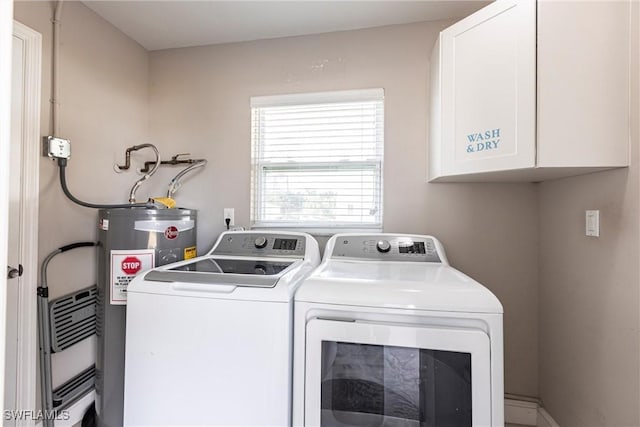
{"x":27,"y":323}
{"x":6,"y":43}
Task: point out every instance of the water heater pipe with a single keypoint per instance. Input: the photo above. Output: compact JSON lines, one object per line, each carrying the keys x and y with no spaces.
{"x":132,"y":193}
{"x":174,"y":184}
{"x":62,"y":165}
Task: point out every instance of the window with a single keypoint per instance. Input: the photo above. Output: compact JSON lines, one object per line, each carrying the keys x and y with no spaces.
{"x":317,"y":160}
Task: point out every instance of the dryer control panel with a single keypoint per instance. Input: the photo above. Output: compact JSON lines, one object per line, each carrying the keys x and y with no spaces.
{"x":386,"y":247}
{"x":262,"y":244}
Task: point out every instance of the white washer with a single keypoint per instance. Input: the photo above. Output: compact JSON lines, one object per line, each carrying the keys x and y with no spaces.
{"x":386,"y":333}
{"x":208,"y":340}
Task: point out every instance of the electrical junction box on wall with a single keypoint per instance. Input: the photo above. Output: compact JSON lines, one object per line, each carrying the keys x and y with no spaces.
{"x":56,"y":148}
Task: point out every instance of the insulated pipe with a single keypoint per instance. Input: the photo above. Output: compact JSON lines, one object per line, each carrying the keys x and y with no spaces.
{"x":55,"y":45}
{"x":174,"y":184}
{"x":132,"y":193}
{"x":62,"y":165}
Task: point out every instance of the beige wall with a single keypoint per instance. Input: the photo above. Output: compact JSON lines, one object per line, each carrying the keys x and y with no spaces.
{"x":114,"y":94}
{"x":589,"y":290}
{"x":103,"y":96}
{"x":199,"y":99}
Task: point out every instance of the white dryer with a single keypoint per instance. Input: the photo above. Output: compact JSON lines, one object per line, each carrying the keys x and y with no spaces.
{"x":386,"y":333}
{"x":208,"y":340}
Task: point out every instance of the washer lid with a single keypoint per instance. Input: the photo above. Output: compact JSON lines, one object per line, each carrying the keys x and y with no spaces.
{"x":405,"y":285}
{"x":211,"y":270}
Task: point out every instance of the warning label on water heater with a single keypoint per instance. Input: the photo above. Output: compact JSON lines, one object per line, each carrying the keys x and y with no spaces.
{"x":125,"y":265}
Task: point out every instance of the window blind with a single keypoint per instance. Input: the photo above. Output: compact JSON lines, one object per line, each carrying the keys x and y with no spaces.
{"x":317,"y":160}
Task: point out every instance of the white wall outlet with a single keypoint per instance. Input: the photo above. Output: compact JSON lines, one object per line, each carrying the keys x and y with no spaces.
{"x":592,"y":223}
{"x":228,"y":213}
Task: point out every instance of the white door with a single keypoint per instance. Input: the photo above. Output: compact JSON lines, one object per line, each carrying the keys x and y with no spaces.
{"x":6,"y":13}
{"x":14,"y":279}
{"x":362,"y":373}
{"x":488,"y":77}
{"x":21,"y":335}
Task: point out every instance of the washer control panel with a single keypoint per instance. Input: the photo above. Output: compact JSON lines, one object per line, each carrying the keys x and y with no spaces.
{"x":262,"y":244}
{"x":386,"y":247}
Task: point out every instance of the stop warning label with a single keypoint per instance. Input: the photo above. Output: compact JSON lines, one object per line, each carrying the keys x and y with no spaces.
{"x":131,"y":265}
{"x":125,"y":265}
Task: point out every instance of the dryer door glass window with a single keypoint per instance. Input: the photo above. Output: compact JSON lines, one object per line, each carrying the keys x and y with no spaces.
{"x":387,"y":375}
{"x":374,"y":385}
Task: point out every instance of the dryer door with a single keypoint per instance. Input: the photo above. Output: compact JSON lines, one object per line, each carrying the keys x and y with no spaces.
{"x":369,"y":374}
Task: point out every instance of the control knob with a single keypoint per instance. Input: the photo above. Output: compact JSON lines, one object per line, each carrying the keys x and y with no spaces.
{"x":383,"y":246}
{"x":260,"y":242}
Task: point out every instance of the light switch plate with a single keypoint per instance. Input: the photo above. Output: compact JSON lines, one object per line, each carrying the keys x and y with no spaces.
{"x":592,"y":223}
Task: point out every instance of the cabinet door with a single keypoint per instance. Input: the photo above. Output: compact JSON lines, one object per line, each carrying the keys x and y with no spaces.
{"x":488,"y":92}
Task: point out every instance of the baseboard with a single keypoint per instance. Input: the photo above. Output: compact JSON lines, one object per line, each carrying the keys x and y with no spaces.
{"x":520,"y":412}
{"x":527,"y":413}
{"x":545,"y":420}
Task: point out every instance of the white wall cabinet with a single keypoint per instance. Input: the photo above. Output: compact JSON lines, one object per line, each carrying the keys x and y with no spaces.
{"x":528,"y":91}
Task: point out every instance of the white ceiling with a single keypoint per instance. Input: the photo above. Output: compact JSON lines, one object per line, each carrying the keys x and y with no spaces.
{"x":168,"y":24}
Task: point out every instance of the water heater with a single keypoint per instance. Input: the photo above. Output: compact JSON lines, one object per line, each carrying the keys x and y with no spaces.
{"x":130,"y":240}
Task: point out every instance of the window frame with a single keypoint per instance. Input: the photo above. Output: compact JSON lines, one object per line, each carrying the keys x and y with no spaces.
{"x":258,"y":165}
